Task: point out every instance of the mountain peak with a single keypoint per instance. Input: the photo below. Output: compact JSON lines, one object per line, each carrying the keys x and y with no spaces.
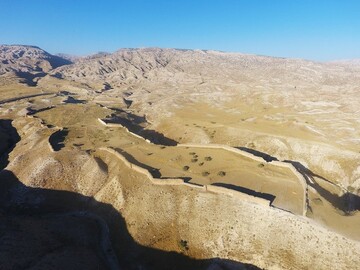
{"x":28,"y":62}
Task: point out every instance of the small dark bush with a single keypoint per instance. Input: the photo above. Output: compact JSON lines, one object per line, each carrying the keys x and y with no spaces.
{"x":205,"y":173}
{"x":184,"y":245}
{"x":221,"y":173}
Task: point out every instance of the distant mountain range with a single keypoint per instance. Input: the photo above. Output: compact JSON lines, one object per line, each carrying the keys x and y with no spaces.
{"x":127,"y":66}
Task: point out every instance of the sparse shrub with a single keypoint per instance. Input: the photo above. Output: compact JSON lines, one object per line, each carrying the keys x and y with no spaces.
{"x":251,"y":145}
{"x":192,"y":153}
{"x":194,"y":160}
{"x":186,"y":168}
{"x":184,"y":245}
{"x":201,"y":163}
{"x":205,"y":173}
{"x":261,"y":165}
{"x":221,"y":173}
{"x":208,"y":158}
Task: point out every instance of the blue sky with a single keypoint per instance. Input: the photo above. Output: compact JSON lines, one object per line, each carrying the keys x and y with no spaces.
{"x":312,"y":29}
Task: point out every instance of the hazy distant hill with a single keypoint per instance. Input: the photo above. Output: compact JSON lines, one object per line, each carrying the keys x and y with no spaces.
{"x":70,"y":57}
{"x":173,"y":65}
{"x":127,"y":66}
{"x":353,"y":63}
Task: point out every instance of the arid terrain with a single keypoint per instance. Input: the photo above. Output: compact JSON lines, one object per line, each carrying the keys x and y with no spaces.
{"x":178,"y":159}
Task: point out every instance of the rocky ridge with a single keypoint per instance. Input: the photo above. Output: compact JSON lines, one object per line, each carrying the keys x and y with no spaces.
{"x":28,"y":62}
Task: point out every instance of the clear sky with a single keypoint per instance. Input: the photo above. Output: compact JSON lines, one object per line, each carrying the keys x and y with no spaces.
{"x":312,"y":29}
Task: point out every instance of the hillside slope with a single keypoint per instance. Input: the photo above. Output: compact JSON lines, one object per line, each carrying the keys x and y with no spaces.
{"x":27,"y":62}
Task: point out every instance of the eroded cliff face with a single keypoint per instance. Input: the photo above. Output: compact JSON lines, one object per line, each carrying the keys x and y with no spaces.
{"x":148,"y":219}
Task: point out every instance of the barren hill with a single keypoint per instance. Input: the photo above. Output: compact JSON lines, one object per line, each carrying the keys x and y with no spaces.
{"x":179,"y":159}
{"x":256,"y":92}
{"x":27,"y":62}
{"x":126,"y":65}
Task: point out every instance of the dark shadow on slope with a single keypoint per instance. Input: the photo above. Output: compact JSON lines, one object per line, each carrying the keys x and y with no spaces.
{"x":106,"y":86}
{"x":347,"y":203}
{"x":157,"y":137}
{"x":71,"y":100}
{"x":29,"y":78}
{"x":128,"y":117}
{"x":265,"y":156}
{"x":57,"y":61}
{"x":23,"y":97}
{"x":247,"y":191}
{"x":50,"y":229}
{"x":102,"y":165}
{"x":186,"y":179}
{"x":57,"y":75}
{"x":153,"y":171}
{"x":64,"y":93}
{"x":57,"y":139}
{"x":32,"y":111}
{"x":128,"y":102}
{"x":8,"y":139}
{"x":137,"y":124}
